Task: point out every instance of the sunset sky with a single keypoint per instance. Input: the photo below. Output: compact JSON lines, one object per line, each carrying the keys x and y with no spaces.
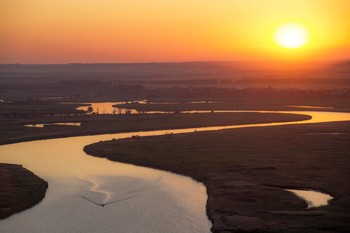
{"x":63,"y":31}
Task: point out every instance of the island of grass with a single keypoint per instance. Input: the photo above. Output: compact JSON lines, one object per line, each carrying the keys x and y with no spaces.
{"x":20,"y":189}
{"x":13,"y":129}
{"x":247,"y":170}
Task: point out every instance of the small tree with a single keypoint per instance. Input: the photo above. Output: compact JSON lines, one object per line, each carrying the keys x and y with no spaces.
{"x":90,"y":109}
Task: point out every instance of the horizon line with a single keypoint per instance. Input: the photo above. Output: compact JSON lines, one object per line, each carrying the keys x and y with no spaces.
{"x":181,"y":62}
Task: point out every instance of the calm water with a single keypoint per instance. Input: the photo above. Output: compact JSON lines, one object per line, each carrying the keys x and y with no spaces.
{"x":136,"y":199}
{"x":42,"y":125}
{"x":312,"y":198}
{"x":309,"y":107}
{"x":107,"y":108}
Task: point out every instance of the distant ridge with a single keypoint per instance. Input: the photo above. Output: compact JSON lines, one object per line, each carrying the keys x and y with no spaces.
{"x":108,"y":67}
{"x":342,"y":65}
{"x":192,"y":65}
{"x":176,"y":70}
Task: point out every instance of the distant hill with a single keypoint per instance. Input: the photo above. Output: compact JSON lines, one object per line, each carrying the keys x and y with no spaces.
{"x":111,"y":67}
{"x":122,"y":70}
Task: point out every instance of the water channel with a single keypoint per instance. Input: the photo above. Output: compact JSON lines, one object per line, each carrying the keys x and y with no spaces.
{"x":89,"y":194}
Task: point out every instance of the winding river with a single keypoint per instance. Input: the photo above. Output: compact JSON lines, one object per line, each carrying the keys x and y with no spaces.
{"x":89,"y":194}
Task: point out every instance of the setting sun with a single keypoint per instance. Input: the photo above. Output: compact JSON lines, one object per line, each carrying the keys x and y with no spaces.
{"x":44,"y":31}
{"x":194,"y":116}
{"x":292,"y":36}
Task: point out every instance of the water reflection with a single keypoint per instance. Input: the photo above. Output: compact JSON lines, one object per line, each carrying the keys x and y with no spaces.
{"x":112,"y":108}
{"x":332,"y":133}
{"x":89,"y":194}
{"x":312,"y":198}
{"x":317,"y":117}
{"x":135,"y":199}
{"x":308,"y":106}
{"x":42,"y":125}
{"x":175,"y":102}
{"x":106,"y":108}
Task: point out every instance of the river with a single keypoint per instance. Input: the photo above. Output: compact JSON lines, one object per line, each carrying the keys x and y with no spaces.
{"x":89,"y":194}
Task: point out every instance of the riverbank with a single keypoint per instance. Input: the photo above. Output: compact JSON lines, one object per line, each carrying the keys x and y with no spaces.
{"x":103,"y":124}
{"x":13,"y":130}
{"x":246,"y":171}
{"x":20,"y":189}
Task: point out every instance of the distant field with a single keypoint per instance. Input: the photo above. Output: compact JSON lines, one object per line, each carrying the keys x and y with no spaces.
{"x":107,"y":82}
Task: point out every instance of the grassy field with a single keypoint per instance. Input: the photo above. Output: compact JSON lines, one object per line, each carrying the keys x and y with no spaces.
{"x":246,"y":171}
{"x":12,"y":129}
{"x":278,"y":103}
{"x":24,"y":110}
{"x":20,"y":189}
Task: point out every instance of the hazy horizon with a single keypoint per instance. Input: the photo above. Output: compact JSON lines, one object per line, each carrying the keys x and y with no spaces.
{"x":271,"y":64}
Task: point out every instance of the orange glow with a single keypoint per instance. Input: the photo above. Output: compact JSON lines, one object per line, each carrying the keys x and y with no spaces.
{"x":48,"y":31}
{"x":292,"y":36}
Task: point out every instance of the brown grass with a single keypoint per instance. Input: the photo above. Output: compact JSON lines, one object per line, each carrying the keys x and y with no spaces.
{"x":20,"y":189}
{"x":246,"y":170}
